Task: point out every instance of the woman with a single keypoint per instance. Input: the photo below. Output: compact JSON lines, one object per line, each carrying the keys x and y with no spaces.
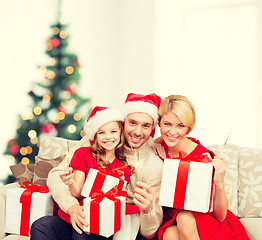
{"x":177,"y":119}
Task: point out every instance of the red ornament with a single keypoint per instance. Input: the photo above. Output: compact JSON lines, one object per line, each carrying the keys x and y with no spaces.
{"x":47,"y":128}
{"x":77,"y":62}
{"x":72,"y":88}
{"x":62,"y":109}
{"x":55,"y":42}
{"x":14,"y":149}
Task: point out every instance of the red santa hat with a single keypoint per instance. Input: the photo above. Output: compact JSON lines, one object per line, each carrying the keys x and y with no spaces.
{"x":98,"y":117}
{"x":142,"y":103}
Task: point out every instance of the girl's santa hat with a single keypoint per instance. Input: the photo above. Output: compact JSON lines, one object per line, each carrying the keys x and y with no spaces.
{"x":142,"y":103}
{"x":98,"y":117}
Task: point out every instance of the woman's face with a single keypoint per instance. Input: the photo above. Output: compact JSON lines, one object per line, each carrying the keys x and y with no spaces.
{"x":172,"y":129}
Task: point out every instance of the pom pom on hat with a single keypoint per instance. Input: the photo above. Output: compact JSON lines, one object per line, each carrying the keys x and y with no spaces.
{"x":142,"y":103}
{"x":98,"y":117}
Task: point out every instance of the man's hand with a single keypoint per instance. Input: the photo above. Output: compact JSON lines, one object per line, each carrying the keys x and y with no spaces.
{"x":159,"y":150}
{"x":77,"y":217}
{"x":143,"y":197}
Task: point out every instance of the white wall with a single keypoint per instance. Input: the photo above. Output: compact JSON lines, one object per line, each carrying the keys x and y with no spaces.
{"x":209,"y":51}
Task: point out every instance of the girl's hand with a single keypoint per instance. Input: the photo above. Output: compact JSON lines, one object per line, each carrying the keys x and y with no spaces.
{"x":67,"y":176}
{"x":159,"y":150}
{"x":219,"y":164}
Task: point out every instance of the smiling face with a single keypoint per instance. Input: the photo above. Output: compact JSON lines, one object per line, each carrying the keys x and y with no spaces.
{"x":172,"y":129}
{"x":137,"y":129}
{"x":108,"y":136}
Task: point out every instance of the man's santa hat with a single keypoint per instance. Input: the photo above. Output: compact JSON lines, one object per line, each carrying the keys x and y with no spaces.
{"x":98,"y":117}
{"x":144,"y":104}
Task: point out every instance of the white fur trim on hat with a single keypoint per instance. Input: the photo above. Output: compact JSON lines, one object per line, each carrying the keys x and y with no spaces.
{"x":141,"y":107}
{"x":99,"y":119}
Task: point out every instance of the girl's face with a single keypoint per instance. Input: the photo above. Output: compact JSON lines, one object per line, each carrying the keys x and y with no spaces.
{"x":108,"y":136}
{"x":172,"y":129}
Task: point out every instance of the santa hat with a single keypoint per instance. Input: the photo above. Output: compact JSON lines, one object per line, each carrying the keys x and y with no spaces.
{"x":98,"y":117}
{"x":142,"y":103}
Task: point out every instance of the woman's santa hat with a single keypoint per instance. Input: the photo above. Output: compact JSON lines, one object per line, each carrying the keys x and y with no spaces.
{"x":142,"y":103}
{"x":98,"y":117}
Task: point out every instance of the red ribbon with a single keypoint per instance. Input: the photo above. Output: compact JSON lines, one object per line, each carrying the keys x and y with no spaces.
{"x":101,"y":175}
{"x":25,"y":200}
{"x":97,"y":197}
{"x":182,"y":176}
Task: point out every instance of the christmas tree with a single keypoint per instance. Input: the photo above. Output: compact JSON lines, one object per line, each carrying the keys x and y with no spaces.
{"x":57,"y":108}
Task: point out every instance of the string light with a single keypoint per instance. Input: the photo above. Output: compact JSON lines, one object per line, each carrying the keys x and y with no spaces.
{"x":32,"y":134}
{"x":42,"y":68}
{"x":66,"y":94}
{"x":25,"y":160}
{"x":69,"y":70}
{"x":23,"y":151}
{"x":63,"y":34}
{"x":50,"y":74}
{"x":82,"y":133}
{"x":73,"y":102}
{"x":29,"y":150}
{"x":71,"y":128}
{"x":37,"y":110}
{"x":60,"y":115}
{"x":77,"y":116}
{"x":19,"y":125}
{"x":34,"y":140}
{"x":56,"y":121}
{"x":56,"y":30}
{"x":46,"y":98}
{"x":28,"y":114}
{"x":52,"y":61}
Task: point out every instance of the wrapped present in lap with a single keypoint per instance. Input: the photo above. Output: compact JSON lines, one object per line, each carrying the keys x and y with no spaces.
{"x":105,"y":211}
{"x":26,"y":204}
{"x":187,"y":183}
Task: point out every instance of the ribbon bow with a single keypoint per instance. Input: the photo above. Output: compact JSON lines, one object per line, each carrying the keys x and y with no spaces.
{"x":25,"y":200}
{"x":97,"y":197}
{"x":199,"y":158}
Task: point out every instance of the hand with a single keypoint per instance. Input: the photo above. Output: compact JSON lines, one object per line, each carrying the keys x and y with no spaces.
{"x":219,"y":164}
{"x":159,"y":150}
{"x":77,"y":217}
{"x":67,"y":176}
{"x":143,"y":197}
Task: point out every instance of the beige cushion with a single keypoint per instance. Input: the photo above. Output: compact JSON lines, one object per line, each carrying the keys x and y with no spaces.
{"x":230,"y":153}
{"x":23,"y":172}
{"x":250,"y":183}
{"x":16,"y":237}
{"x":253,"y":227}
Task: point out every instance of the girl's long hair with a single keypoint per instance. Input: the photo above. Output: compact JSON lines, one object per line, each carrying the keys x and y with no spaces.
{"x":99,"y":153}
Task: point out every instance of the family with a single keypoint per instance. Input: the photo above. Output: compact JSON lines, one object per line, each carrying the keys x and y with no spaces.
{"x":124,"y":140}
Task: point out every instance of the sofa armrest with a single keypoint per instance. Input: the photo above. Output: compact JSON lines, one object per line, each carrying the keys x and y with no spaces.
{"x":2,"y":206}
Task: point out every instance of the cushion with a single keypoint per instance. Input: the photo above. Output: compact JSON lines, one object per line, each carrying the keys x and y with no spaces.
{"x":250,"y":182}
{"x":23,"y":172}
{"x":230,"y":153}
{"x":43,"y":167}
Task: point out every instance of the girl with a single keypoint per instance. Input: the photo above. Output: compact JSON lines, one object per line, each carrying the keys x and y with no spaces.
{"x":105,"y":131}
{"x":177,"y":119}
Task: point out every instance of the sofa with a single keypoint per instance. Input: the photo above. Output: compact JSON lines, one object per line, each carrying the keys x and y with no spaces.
{"x":243,"y":181}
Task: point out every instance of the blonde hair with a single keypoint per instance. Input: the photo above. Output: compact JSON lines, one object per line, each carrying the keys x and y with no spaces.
{"x":180,"y":106}
{"x":98,"y":152}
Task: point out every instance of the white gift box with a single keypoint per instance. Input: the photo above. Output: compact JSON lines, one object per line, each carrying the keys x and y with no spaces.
{"x":42,"y":204}
{"x":105,"y":219}
{"x":192,"y":190}
{"x":99,"y":180}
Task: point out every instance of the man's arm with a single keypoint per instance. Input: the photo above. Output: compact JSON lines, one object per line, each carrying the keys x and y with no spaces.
{"x":62,"y":196}
{"x":147,"y":194}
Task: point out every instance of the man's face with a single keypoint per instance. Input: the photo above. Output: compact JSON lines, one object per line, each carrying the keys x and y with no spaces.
{"x":137,"y":129}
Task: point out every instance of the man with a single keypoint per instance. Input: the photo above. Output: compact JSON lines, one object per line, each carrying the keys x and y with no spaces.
{"x":141,"y":117}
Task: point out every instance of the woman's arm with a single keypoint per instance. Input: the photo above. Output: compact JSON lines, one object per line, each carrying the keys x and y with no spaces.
{"x":220,"y":200}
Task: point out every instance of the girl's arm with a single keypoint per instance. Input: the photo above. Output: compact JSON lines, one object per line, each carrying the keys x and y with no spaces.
{"x":75,"y":180}
{"x":220,"y":200}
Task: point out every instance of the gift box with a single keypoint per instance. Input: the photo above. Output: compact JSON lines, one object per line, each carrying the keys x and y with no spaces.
{"x":102,"y":179}
{"x":105,"y":212}
{"x":26,"y":204}
{"x":187,"y":183}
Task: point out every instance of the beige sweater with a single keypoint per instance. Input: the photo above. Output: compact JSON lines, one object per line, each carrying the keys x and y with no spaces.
{"x":148,"y":170}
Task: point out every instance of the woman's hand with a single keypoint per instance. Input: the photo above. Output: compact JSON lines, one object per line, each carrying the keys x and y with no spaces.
{"x":159,"y":150}
{"x":219,"y":165}
{"x":67,"y":176}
